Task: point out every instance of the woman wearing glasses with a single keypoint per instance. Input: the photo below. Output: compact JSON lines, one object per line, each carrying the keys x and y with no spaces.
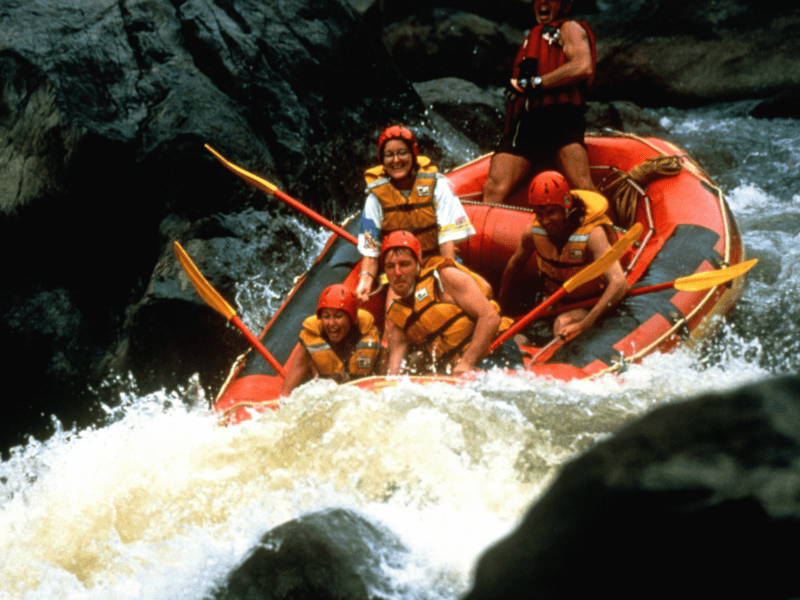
{"x":405,"y":192}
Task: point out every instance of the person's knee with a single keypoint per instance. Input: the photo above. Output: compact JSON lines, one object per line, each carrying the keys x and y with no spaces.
{"x":496,"y":183}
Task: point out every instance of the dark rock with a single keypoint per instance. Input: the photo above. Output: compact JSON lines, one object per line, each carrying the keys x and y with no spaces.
{"x":174,"y":333}
{"x":475,"y":113}
{"x":453,"y":44}
{"x":623,"y":116}
{"x":698,"y":499}
{"x":334,"y":554}
{"x":696,"y":53}
{"x":509,"y":12}
{"x":785,"y":105}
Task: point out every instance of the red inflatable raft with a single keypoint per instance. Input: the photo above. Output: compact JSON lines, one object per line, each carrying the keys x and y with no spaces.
{"x":688,"y":229}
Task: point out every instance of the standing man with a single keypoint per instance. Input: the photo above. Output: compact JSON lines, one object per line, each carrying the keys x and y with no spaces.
{"x":570,"y":231}
{"x":545,"y":122}
{"x":442,"y":308}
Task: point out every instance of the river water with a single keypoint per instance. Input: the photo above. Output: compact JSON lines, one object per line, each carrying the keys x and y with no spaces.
{"x":158,"y":502}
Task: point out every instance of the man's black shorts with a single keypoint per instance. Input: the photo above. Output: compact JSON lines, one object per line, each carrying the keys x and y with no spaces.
{"x":539,"y":135}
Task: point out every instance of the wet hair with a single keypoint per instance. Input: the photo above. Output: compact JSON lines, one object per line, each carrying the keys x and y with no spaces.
{"x":577,"y":213}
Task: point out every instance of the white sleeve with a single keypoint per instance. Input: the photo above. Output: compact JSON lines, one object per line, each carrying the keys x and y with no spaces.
{"x":454,"y":224}
{"x":371,"y":235}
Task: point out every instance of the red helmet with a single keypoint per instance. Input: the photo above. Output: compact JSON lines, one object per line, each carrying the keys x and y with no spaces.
{"x":339,"y":297}
{"x":402,"y":239}
{"x":397,"y":132}
{"x":550,"y":187}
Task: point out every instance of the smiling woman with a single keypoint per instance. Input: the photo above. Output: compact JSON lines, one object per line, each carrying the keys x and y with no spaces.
{"x":339,"y":342}
{"x":406,"y":193}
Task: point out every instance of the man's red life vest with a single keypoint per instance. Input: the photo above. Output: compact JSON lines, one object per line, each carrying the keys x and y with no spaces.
{"x":544,"y":45}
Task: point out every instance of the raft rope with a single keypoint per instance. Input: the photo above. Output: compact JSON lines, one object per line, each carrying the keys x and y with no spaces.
{"x":623,"y":190}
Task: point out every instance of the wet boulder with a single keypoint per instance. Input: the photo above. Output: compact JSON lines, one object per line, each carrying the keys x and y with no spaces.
{"x":453,"y":43}
{"x":698,"y":499}
{"x":327,"y":555}
{"x":694,"y":53}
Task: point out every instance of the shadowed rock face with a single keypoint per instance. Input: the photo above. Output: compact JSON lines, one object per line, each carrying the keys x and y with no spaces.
{"x":698,"y":499}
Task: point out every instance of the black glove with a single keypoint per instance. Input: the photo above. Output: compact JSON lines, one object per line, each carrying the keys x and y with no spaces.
{"x":527,"y":75}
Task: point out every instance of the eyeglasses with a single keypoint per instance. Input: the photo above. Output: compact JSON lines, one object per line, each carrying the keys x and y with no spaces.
{"x":398,"y":154}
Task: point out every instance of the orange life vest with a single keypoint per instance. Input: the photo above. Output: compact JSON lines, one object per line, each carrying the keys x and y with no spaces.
{"x":417,"y":213}
{"x":328,"y":364}
{"x":442,"y":328}
{"x":557,"y":266}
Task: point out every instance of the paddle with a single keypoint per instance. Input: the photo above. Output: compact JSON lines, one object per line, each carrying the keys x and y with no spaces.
{"x":589,"y":273}
{"x":691,"y":283}
{"x":271,"y":189}
{"x":213,"y":298}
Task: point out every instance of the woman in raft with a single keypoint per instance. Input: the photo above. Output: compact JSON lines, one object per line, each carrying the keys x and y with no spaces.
{"x":405,"y":192}
{"x":340,"y":342}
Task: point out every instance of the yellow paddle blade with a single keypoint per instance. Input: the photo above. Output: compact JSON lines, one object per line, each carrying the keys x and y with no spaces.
{"x":598,"y":267}
{"x":249,"y":177}
{"x":207,"y":293}
{"x":709,"y":279}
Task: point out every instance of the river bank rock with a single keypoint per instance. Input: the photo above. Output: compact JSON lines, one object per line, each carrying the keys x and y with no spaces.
{"x":330,"y":554}
{"x":697,"y":499}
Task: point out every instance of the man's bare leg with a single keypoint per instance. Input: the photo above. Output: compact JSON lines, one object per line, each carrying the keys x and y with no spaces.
{"x":574,"y":161}
{"x":505,"y":172}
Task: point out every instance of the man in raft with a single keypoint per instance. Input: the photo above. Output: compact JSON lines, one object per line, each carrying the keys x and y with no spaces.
{"x":441,"y":308}
{"x":570,"y":230}
{"x":340,"y":342}
{"x":405,"y":192}
{"x":545,"y":123}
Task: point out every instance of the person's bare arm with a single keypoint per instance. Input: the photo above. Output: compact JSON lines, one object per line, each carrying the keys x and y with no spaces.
{"x":516,"y":264}
{"x":298,"y":371}
{"x":465,"y":292}
{"x":367,"y":275}
{"x":398,"y":348}
{"x":578,"y":53}
{"x":616,"y":287}
{"x":448,"y":250}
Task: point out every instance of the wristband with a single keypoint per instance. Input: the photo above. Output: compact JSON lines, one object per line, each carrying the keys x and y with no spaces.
{"x":371,"y":276}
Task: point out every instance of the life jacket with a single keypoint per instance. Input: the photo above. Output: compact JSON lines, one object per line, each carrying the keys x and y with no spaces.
{"x":416,"y":214}
{"x":558,"y":266}
{"x":328,"y":364}
{"x":543,"y":44}
{"x":442,"y":328}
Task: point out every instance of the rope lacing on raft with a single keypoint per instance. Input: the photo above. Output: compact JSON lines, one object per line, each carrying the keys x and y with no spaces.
{"x":624,"y":189}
